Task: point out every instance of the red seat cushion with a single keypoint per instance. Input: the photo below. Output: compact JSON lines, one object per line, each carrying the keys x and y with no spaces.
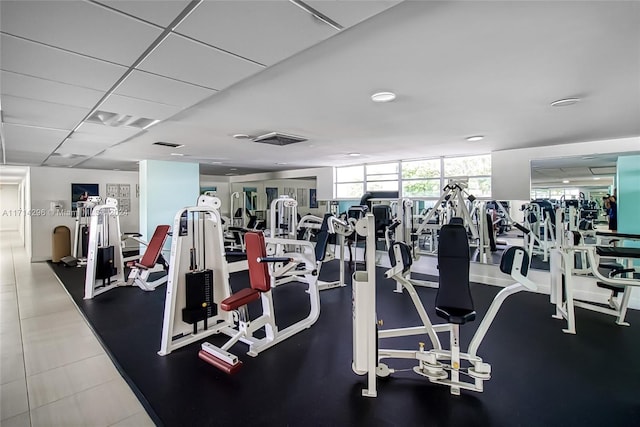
{"x":240,"y":298}
{"x":155,"y":246}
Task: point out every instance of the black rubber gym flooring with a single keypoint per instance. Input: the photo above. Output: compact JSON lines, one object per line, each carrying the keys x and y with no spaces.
{"x":541,"y":376}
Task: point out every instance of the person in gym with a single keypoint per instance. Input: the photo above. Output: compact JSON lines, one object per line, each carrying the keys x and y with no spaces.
{"x":611,"y":208}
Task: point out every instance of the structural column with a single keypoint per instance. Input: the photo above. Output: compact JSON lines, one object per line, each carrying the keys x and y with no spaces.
{"x":165,"y":188}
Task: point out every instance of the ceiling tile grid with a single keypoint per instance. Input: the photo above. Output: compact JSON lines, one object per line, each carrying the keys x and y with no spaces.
{"x":193,"y":62}
{"x":263,"y":31}
{"x":39,"y":113}
{"x":79,"y":26}
{"x":20,"y":85}
{"x":158,"y":12}
{"x":33,"y":59}
{"x":31,"y":140}
{"x":154,"y":88}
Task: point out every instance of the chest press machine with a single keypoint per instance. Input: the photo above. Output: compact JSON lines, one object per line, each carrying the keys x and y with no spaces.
{"x":453,"y":303}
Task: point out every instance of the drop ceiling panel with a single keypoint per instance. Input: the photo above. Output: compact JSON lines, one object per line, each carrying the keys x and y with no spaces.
{"x":36,"y":60}
{"x":155,"y":88}
{"x":79,"y":26}
{"x":63,"y":161}
{"x":348,"y":12}
{"x":138,"y":107}
{"x":28,"y":158}
{"x":264,"y":31}
{"x":159,"y":12}
{"x":90,"y":133}
{"x":47,"y":90}
{"x":80,"y":147}
{"x":38,"y":113}
{"x":102,"y":163}
{"x":192,"y":62}
{"x":28,"y":139}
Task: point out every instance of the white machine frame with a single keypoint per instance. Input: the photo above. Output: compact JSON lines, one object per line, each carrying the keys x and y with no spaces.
{"x":176,"y":333}
{"x":283,"y":210}
{"x":562,"y":280}
{"x":367,"y":355}
{"x":104,"y":228}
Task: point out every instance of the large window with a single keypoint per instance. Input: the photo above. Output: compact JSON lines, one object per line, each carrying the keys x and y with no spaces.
{"x":476,"y":170}
{"x":416,"y":178}
{"x":382,"y":177}
{"x":421,"y":178}
{"x":350,"y":182}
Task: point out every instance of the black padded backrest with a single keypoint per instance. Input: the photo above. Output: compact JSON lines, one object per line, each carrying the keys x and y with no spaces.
{"x":382,"y":214}
{"x":456,"y":220}
{"x":405,"y":253}
{"x":453,"y":266}
{"x":322,"y":238}
{"x":508,"y":256}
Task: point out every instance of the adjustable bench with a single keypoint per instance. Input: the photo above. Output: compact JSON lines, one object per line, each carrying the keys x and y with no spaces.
{"x":152,"y":262}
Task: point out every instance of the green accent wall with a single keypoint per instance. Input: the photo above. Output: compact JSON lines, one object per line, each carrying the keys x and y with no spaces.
{"x":165,"y":188}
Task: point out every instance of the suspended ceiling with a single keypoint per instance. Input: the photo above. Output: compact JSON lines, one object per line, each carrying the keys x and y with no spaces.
{"x":209,"y":70}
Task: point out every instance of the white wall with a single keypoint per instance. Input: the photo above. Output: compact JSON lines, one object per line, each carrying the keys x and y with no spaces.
{"x":324,"y":179}
{"x":10,"y":209}
{"x":223,"y":191}
{"x":511,"y":169}
{"x":27,"y":221}
{"x":49,"y":184}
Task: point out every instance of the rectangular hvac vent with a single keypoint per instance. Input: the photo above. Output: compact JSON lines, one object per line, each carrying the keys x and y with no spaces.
{"x":604,"y":170}
{"x":276,"y":138}
{"x":168,"y":144}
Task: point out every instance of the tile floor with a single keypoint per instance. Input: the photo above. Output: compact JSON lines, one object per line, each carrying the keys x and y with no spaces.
{"x":53,"y":370}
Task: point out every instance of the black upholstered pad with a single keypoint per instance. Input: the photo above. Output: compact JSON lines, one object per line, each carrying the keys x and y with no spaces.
{"x":618,"y":252}
{"x":455,"y":315}
{"x":508,"y":256}
{"x":453,"y":300}
{"x":322,"y":238}
{"x":405,"y":252}
{"x":614,"y":288}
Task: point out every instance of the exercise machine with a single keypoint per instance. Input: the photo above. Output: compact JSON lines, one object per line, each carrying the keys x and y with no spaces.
{"x":283,"y":218}
{"x":151,"y":270}
{"x":104,"y":252}
{"x":81,"y":233}
{"x":453,"y":303}
{"x":248,"y":330}
{"x":619,"y":282}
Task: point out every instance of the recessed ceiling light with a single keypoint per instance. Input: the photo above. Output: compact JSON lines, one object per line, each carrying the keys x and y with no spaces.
{"x":354,"y":154}
{"x":596,"y":178}
{"x":383,"y":97}
{"x":228,"y":174}
{"x":281,"y":164}
{"x":588,"y":157}
{"x":177,"y":154}
{"x":216,"y":163}
{"x":475,"y":138}
{"x":566,"y":181}
{"x":233,"y":169}
{"x":241,"y":136}
{"x":565,"y":102}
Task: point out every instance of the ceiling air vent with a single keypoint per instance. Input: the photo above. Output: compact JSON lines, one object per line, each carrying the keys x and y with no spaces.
{"x":108,"y":118}
{"x":276,"y":138}
{"x":168,"y":144}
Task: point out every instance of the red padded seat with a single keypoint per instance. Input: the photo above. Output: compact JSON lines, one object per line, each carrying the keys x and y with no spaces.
{"x":240,"y":298}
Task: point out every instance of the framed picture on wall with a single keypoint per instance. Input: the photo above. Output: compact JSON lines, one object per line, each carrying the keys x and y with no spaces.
{"x":313,"y":201}
{"x":272,"y":194}
{"x":80,"y":192}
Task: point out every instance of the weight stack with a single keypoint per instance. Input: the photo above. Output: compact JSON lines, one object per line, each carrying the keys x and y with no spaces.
{"x":199,"y":296}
